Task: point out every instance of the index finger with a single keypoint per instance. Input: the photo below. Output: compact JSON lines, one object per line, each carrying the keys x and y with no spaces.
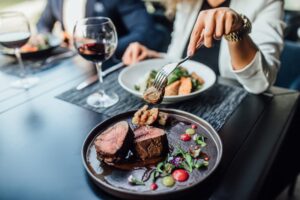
{"x":196,"y":34}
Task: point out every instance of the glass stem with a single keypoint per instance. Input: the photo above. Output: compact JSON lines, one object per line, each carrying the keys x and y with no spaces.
{"x":100,"y":76}
{"x":19,"y":58}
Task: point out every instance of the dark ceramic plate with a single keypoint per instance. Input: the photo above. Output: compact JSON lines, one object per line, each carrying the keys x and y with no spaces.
{"x":114,"y":181}
{"x":54,"y":42}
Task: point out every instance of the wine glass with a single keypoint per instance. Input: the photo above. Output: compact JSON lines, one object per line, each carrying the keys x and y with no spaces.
{"x":95,"y":39}
{"x":14,"y":33}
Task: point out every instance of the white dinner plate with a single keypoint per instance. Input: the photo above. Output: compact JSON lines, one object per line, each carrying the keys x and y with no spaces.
{"x":131,"y":75}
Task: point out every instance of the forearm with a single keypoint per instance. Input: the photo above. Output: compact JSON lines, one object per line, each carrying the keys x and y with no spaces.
{"x":242,"y":52}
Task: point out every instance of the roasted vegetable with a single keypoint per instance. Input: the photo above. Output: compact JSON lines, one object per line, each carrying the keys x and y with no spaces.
{"x":180,"y":82}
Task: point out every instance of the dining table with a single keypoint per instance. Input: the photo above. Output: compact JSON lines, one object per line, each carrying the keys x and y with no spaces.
{"x":41,"y":138}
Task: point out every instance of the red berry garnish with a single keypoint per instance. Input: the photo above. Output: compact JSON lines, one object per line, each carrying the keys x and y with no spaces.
{"x":153,"y":186}
{"x":185,"y":137}
{"x":180,"y":175}
{"x":194,"y":126}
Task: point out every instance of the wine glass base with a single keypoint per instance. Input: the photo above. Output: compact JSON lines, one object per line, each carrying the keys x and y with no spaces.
{"x":25,"y":83}
{"x":102,"y":99}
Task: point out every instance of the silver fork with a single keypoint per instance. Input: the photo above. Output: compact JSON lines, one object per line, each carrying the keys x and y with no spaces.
{"x":160,"y":81}
{"x":161,"y":77}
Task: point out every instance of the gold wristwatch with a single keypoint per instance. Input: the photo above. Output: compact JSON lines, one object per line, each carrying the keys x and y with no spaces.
{"x":236,"y":36}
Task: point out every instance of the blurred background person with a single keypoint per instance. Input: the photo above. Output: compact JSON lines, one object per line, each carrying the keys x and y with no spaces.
{"x":250,"y":56}
{"x":130,"y":17}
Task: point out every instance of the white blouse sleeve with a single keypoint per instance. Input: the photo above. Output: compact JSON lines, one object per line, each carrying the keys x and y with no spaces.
{"x":267,"y":34}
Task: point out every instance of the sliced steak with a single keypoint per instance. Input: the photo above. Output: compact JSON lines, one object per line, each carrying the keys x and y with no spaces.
{"x":112,"y":145}
{"x":150,"y":142}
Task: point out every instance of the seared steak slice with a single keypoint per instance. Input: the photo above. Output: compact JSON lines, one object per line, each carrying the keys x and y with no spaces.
{"x":113,"y":144}
{"x":150,"y":142}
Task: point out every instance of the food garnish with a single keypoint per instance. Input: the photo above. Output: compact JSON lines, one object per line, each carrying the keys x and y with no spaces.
{"x":200,"y":140}
{"x":168,"y":181}
{"x":195,"y":151}
{"x":180,"y":82}
{"x":144,"y":116}
{"x":180,"y":175}
{"x":185,"y":137}
{"x":194,"y":126}
{"x":134,"y":181}
{"x":190,"y":131}
{"x":153,"y":186}
{"x":162,"y":118}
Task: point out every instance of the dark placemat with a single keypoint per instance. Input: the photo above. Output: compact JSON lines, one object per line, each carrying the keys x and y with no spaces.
{"x":214,"y":105}
{"x":9,"y":64}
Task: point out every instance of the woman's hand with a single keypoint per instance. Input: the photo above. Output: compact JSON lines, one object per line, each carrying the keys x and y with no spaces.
{"x":213,"y":24}
{"x":136,"y":52}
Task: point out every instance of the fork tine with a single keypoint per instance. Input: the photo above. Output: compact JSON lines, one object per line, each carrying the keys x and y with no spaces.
{"x":157,"y":79}
{"x":160,"y":81}
{"x":161,"y":84}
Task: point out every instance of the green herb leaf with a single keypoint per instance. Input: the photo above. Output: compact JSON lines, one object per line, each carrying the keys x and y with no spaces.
{"x":159,"y":167}
{"x":185,"y":166}
{"x":200,"y":140}
{"x":134,"y":181}
{"x":200,"y":164}
{"x":168,"y":167}
{"x":154,"y":176}
{"x":189,"y":161}
{"x":137,"y":88}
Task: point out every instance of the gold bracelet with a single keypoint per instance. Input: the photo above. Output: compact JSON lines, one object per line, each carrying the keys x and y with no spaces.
{"x":236,"y":36}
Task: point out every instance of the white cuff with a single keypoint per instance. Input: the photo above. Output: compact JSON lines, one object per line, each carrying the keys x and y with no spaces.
{"x":252,"y":76}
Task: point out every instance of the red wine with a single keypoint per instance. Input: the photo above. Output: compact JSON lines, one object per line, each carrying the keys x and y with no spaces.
{"x":95,"y":52}
{"x":14,"y":40}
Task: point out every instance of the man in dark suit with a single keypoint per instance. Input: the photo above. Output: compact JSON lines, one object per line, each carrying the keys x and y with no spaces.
{"x":130,"y":17}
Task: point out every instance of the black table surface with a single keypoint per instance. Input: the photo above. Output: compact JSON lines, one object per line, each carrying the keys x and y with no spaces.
{"x":41,"y":139}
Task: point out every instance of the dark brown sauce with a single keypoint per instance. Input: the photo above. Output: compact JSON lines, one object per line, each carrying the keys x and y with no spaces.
{"x":137,"y":164}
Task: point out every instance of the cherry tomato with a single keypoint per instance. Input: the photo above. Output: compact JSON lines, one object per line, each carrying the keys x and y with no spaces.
{"x":194,"y":126}
{"x":185,"y":137}
{"x":153,"y":186}
{"x":180,"y":175}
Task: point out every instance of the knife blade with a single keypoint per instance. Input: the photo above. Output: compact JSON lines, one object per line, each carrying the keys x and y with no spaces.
{"x":94,"y":78}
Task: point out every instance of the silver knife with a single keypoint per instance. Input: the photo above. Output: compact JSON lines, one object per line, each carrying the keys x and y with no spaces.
{"x":94,"y":78}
